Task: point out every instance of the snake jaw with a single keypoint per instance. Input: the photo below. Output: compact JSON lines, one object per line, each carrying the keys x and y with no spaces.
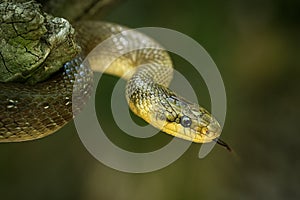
{"x":207,"y":134}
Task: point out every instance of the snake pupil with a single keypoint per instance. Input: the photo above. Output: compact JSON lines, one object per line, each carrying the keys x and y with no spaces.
{"x":186,"y":121}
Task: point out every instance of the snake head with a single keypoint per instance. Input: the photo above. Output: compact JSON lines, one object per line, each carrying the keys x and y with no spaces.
{"x":189,"y":121}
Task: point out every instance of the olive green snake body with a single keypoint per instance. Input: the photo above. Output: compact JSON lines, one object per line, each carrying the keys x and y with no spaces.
{"x":29,"y":112}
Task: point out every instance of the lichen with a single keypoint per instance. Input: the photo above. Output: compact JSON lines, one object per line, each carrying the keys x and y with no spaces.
{"x":33,"y":44}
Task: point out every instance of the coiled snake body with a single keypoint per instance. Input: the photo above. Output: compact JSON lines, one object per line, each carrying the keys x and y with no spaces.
{"x":29,"y":112}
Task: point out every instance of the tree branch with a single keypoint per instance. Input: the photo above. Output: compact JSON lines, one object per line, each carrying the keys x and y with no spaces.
{"x":33,"y":44}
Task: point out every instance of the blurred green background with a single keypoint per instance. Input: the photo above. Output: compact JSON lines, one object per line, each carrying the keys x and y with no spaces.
{"x":256,"y":46}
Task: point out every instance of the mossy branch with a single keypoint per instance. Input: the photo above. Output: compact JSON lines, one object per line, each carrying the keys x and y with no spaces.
{"x":33,"y":44}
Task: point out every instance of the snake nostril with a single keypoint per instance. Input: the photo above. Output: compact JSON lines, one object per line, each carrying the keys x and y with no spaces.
{"x":204,"y":130}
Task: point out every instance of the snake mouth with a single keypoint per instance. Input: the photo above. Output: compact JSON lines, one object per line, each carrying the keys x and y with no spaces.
{"x":222,"y":143}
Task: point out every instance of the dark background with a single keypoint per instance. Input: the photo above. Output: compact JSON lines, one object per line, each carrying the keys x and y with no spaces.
{"x":255,"y":45}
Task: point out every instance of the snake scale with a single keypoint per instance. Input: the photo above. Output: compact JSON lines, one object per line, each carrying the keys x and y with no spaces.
{"x":29,"y":112}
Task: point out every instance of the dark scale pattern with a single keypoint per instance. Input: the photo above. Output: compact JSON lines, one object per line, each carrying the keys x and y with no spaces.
{"x":33,"y":111}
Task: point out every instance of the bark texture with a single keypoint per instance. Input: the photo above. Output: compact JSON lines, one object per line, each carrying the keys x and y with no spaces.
{"x":33,"y":43}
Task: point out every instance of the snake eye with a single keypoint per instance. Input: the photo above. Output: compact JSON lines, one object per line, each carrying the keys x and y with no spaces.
{"x":185,"y":121}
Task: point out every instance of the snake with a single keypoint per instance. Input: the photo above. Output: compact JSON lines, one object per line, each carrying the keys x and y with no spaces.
{"x":29,"y":112}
